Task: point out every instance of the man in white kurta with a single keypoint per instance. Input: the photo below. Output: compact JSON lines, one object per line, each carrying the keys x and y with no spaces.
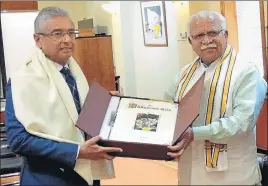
{"x":220,"y":147}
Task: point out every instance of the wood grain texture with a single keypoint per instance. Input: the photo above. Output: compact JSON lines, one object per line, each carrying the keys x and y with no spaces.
{"x":263,"y":39}
{"x":19,"y":5}
{"x":228,"y":10}
{"x":95,"y":57}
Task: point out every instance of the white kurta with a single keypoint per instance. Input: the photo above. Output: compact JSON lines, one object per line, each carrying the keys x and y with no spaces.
{"x":246,"y":94}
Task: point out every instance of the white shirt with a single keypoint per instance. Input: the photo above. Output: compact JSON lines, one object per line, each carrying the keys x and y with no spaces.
{"x":59,"y":67}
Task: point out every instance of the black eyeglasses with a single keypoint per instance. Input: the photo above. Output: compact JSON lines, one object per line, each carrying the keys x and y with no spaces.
{"x":60,"y":34}
{"x":210,"y":34}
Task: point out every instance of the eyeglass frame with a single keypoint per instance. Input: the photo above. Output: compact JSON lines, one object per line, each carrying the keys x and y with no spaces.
{"x":63,"y":34}
{"x":203,"y":35}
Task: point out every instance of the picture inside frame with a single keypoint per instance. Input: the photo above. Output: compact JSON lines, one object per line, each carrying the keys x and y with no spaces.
{"x":154,"y":23}
{"x":140,"y":121}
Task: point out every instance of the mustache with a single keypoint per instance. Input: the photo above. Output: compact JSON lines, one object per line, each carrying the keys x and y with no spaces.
{"x":204,"y":47}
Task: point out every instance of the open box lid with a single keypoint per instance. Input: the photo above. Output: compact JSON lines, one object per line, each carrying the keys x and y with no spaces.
{"x":189,"y":108}
{"x":94,"y":109}
{"x":97,"y":102}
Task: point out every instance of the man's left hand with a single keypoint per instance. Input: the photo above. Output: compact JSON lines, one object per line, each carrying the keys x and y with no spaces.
{"x":184,"y":141}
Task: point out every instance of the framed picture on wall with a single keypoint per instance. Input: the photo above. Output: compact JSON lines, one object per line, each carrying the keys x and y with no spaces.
{"x":154,"y":24}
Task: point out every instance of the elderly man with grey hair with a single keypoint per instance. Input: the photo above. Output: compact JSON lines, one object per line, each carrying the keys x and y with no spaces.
{"x":220,"y":147}
{"x":44,"y":99}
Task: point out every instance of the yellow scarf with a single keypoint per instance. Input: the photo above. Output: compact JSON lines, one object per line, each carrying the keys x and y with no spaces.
{"x":44,"y":105}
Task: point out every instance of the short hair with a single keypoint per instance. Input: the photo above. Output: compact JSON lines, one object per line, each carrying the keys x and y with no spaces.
{"x":212,"y":15}
{"x":46,"y":14}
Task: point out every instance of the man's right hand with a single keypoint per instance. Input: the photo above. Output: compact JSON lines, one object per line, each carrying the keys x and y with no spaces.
{"x":185,"y":140}
{"x":90,"y":150}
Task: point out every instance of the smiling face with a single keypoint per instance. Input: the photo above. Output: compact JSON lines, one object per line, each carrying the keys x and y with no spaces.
{"x":208,"y":39}
{"x":56,"y":45}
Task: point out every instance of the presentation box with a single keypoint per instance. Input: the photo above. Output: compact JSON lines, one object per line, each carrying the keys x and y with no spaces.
{"x":142,"y":127}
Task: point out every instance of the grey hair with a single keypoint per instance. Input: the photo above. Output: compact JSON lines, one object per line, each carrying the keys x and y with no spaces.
{"x":46,"y":14}
{"x":212,"y":15}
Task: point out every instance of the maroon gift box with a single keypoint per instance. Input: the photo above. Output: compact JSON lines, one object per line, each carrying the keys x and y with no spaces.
{"x":95,"y":107}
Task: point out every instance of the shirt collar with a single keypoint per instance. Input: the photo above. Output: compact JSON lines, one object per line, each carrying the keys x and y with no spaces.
{"x":59,"y":67}
{"x":205,"y":65}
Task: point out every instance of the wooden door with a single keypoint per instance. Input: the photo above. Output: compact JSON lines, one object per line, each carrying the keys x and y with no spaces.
{"x":19,"y":5}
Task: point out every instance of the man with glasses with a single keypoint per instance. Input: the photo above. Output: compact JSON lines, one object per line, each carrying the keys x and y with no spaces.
{"x":220,"y":147}
{"x":44,"y":99}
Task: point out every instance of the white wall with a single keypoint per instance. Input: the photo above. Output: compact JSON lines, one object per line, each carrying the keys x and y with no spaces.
{"x":76,"y":9}
{"x":18,"y":41}
{"x":147,"y":70}
{"x":249,"y":32}
{"x":80,"y":10}
{"x":128,"y":29}
{"x":100,"y":17}
{"x":117,"y":46}
{"x":185,"y":51}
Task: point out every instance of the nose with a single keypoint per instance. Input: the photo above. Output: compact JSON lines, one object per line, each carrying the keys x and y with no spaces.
{"x":67,"y":38}
{"x":206,"y":40}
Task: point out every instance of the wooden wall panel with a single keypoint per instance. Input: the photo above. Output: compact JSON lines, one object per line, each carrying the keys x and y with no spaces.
{"x":264,"y":39}
{"x":228,"y":10}
{"x":95,"y":57}
{"x":19,"y":5}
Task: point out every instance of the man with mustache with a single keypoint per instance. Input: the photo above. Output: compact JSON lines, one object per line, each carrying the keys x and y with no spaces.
{"x":43,"y":102}
{"x":220,"y":147}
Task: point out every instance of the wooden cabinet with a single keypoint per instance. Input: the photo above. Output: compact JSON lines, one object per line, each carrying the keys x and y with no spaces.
{"x":19,"y":5}
{"x":95,"y":57}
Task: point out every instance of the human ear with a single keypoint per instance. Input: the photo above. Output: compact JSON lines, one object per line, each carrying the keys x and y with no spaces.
{"x":37,"y":40}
